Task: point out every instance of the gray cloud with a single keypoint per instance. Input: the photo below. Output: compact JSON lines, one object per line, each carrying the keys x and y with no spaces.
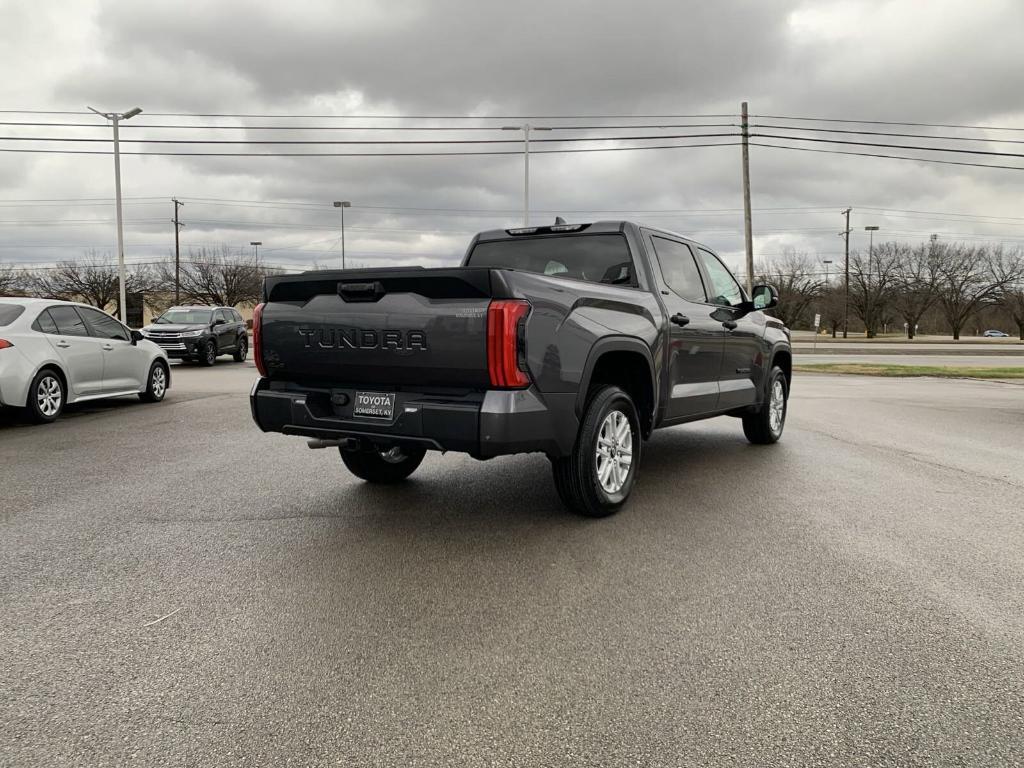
{"x":957,"y":62}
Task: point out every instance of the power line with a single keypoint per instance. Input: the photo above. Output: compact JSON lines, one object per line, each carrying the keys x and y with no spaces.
{"x":888,"y":122}
{"x":423,"y":117}
{"x":890,"y":146}
{"x":888,"y":133}
{"x":368,"y":154}
{"x":889,"y":157}
{"x":443,"y":128}
{"x":80,"y":139}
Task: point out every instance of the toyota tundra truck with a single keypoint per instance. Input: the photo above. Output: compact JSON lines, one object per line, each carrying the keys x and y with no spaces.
{"x":572,"y":340}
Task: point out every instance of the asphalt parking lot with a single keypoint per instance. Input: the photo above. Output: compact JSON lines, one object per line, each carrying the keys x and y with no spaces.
{"x":851,"y":596}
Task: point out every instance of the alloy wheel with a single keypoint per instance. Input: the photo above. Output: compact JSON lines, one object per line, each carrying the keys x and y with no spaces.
{"x":159,"y":381}
{"x":613,"y":455}
{"x":49,"y":396}
{"x":777,"y":407}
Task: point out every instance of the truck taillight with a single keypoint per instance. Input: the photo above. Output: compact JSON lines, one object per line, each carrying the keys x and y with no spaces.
{"x":506,"y":349}
{"x":257,"y":341}
{"x":5,"y":344}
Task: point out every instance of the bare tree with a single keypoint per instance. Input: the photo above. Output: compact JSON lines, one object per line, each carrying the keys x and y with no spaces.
{"x":11,"y":280}
{"x":833,"y":307}
{"x":971,"y":277}
{"x":873,"y":282}
{"x":224,"y":277}
{"x":91,"y":280}
{"x":916,"y":282}
{"x":795,"y":278}
{"x":1012,"y":297}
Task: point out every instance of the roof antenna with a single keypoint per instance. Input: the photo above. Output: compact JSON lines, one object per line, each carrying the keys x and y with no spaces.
{"x":559,"y":220}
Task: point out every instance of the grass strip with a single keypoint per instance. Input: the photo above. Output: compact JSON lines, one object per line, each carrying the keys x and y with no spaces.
{"x":940,"y":371}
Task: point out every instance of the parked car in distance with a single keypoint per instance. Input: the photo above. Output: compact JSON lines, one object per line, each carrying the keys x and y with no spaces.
{"x":53,"y":353}
{"x":994,"y":334}
{"x":572,"y":340}
{"x":200,"y":333}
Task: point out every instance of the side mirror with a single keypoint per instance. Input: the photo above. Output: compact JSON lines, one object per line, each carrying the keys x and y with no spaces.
{"x":218,"y":322}
{"x":137,"y":337}
{"x":764,"y":297}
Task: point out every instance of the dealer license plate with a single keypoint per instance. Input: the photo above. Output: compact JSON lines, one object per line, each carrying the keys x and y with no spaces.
{"x":378,"y":405}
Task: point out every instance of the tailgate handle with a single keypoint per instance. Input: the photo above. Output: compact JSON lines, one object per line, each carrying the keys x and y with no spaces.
{"x":361,"y":291}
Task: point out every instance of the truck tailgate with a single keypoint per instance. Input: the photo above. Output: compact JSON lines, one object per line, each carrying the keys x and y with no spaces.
{"x":399,"y":327}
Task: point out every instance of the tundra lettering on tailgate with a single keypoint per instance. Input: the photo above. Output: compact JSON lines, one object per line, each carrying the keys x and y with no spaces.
{"x":359,"y":338}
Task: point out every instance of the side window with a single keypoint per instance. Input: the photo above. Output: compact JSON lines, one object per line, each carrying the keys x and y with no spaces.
{"x":724,"y":288}
{"x":237,"y":316}
{"x":679,"y":269}
{"x":44,"y":323}
{"x":104,"y":326}
{"x":218,"y":316}
{"x":69,"y":322}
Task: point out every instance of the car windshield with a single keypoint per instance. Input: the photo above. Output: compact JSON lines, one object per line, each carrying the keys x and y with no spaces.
{"x":185,"y":317}
{"x":9,"y":313}
{"x":597,"y":258}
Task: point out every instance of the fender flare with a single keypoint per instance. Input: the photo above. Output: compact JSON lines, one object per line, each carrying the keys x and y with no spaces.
{"x":615,"y":344}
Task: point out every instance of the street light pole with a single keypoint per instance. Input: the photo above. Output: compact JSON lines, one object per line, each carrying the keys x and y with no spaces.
{"x":526,"y":128}
{"x":342,"y":204}
{"x":256,"y":245}
{"x":116,"y":118}
{"x":826,"y":262}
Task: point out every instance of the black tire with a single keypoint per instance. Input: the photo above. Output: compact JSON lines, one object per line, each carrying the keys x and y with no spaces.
{"x":385,"y":467}
{"x":46,"y":397}
{"x":241,"y":350}
{"x":758,"y":426}
{"x":209,"y":354}
{"x":577,"y":478}
{"x":156,"y":383}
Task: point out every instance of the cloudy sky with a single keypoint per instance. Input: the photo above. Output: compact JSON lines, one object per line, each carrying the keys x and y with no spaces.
{"x":598,"y":69}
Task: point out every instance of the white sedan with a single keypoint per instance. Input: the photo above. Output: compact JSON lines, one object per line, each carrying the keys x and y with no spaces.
{"x":57,"y":352}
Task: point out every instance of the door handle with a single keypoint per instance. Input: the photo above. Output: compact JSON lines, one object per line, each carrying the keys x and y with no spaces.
{"x":679,"y":319}
{"x":108,"y":347}
{"x":730,"y":325}
{"x":63,"y":344}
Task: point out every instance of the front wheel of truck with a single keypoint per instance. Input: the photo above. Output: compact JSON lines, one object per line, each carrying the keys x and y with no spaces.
{"x":596,"y":479}
{"x":383,"y":465}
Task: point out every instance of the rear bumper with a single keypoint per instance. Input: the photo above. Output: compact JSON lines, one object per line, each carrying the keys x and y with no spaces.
{"x":483,"y":424}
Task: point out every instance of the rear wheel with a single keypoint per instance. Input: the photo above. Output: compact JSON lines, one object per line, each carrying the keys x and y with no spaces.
{"x":241,"y":350}
{"x":383,"y":465}
{"x":597,"y":477}
{"x":208,"y":355}
{"x":46,"y":397}
{"x":156,"y":384}
{"x":765,"y":426}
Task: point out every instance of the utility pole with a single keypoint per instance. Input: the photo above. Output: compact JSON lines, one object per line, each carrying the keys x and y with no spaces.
{"x":748,"y":234}
{"x":177,"y":252}
{"x":116,"y":118}
{"x":846,"y":256}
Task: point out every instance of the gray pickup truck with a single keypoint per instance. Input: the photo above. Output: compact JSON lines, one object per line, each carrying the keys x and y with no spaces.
{"x":572,"y":340}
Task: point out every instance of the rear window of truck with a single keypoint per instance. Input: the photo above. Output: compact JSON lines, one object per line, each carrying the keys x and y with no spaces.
{"x":595,"y":258}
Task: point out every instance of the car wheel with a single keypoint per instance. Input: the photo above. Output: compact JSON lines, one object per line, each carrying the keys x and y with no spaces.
{"x":596,"y":479}
{"x":156,"y":384}
{"x":383,"y":465}
{"x":46,"y":397}
{"x":209,"y":353}
{"x":765,"y":426}
{"x":242,"y":350}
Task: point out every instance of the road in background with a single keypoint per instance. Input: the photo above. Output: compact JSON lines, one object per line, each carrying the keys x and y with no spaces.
{"x":853,"y":595}
{"x":803,"y":356}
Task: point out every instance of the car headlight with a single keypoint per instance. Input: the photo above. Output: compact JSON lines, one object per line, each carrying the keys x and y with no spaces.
{"x":192,"y":333}
{"x":144,"y":332}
